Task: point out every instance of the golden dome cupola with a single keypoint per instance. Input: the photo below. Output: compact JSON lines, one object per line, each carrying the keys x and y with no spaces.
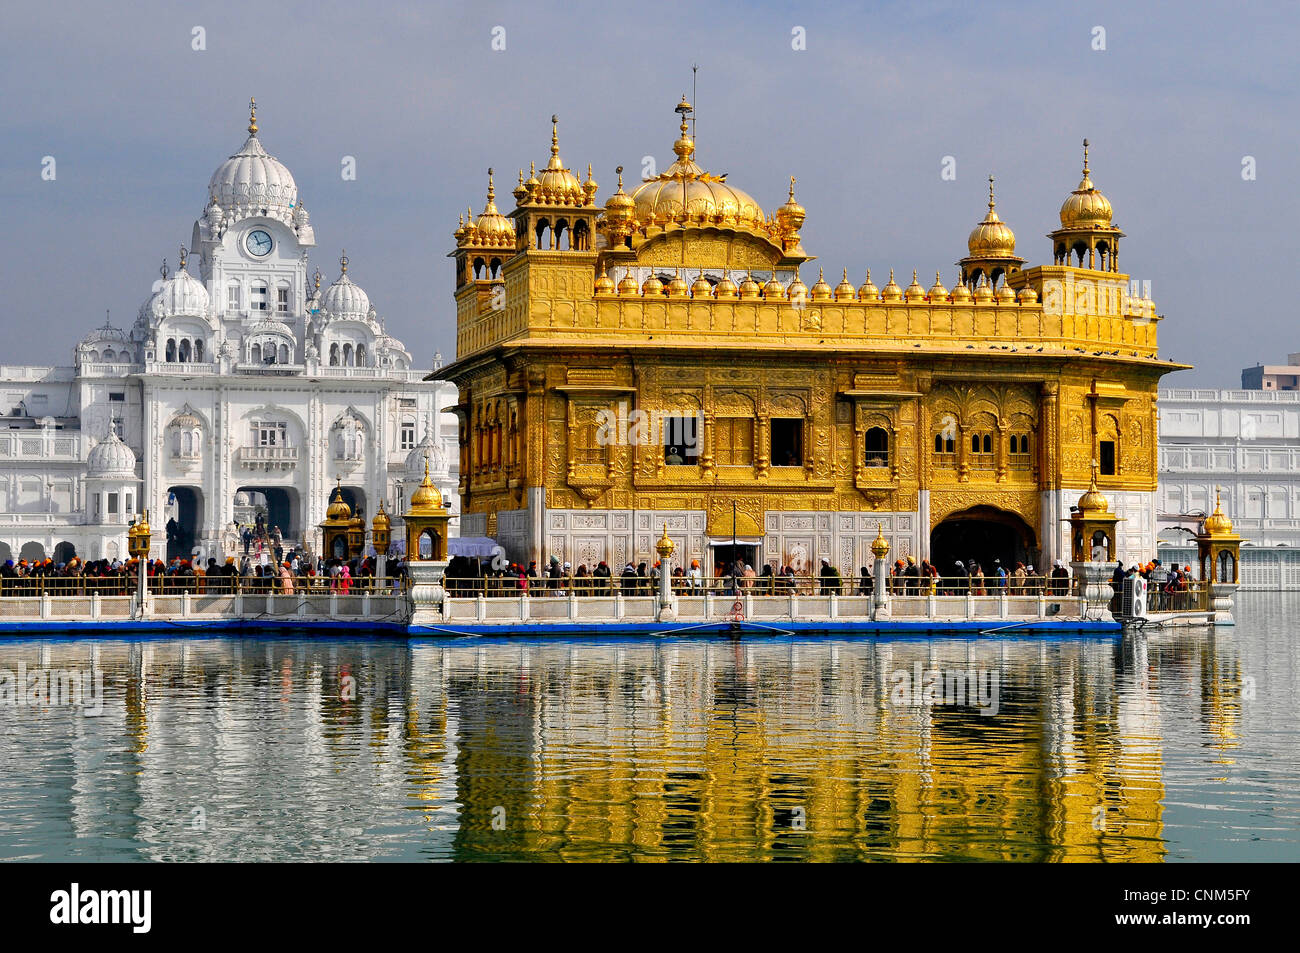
{"x":821,"y":291}
{"x":620,"y":214}
{"x":844,"y":291}
{"x":868,"y":291}
{"x":914,"y":291}
{"x":891,"y":291}
{"x":1217,"y":523}
{"x":491,"y":228}
{"x":1087,"y":237}
{"x":991,"y":249}
{"x":557,"y":185}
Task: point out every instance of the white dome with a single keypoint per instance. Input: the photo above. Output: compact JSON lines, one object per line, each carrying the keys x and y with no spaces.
{"x":253,"y":182}
{"x":110,"y":457}
{"x":182,"y":293}
{"x":345,"y":298}
{"x":415,"y":459}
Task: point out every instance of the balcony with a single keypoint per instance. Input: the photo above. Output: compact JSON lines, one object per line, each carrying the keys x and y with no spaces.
{"x":266,"y":459}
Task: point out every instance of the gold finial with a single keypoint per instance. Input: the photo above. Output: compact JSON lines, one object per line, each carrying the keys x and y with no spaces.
{"x":521,"y":177}
{"x":163,"y":270}
{"x":991,"y":203}
{"x":619,"y":170}
{"x":891,"y":274}
{"x":1085,"y":158}
{"x":820,"y":274}
{"x":532,"y":170}
{"x":343,"y":262}
{"x":1095,"y":467}
{"x":936,"y":276}
{"x":184,"y":254}
{"x":791,"y":188}
{"x":845,"y":276}
{"x":317,"y":279}
{"x":491,"y":188}
{"x":426,"y":466}
{"x":914,"y":276}
{"x":555,"y":136}
{"x":252,"y":117}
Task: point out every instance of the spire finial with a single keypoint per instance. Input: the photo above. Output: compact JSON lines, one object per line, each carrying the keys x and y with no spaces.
{"x":555,"y":136}
{"x":317,"y":279}
{"x":252,"y":117}
{"x":1085,"y":158}
{"x":991,"y":203}
{"x":491,"y":187}
{"x":619,"y":170}
{"x":184,"y":257}
{"x":163,"y":270}
{"x":343,"y":262}
{"x":792,"y":188}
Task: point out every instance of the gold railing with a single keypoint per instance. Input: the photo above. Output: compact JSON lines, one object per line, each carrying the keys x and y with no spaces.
{"x":123,"y":585}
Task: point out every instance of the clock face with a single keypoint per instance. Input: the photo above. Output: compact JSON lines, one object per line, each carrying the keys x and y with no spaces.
{"x":258,"y":243}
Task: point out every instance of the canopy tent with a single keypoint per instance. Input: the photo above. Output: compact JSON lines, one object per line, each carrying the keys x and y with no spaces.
{"x":475,"y":546}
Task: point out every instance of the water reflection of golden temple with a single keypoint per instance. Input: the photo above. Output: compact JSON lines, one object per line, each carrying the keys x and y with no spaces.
{"x":955,"y":417}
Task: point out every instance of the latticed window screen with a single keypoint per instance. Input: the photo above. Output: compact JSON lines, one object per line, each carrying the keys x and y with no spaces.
{"x":733,"y":441}
{"x":586,"y":439}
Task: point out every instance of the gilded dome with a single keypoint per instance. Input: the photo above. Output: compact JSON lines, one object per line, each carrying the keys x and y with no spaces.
{"x":677,"y":287}
{"x":426,"y":500}
{"x":983,"y":293}
{"x":604,"y":284}
{"x":708,"y":199}
{"x":494,"y":228}
{"x":798,"y":291}
{"x":1217,"y":523}
{"x":868,"y":291}
{"x":1027,"y":295}
{"x":914,"y":291}
{"x":1092,"y":501}
{"x":652,"y":286}
{"x":253,"y":182}
{"x":619,"y":207}
{"x":1085,"y":207}
{"x":821,"y":291}
{"x":726,"y":287}
{"x":381,"y":523}
{"x":557,"y":185}
{"x":991,"y":238}
{"x":937,"y":291}
{"x":627,"y":285}
{"x":891,"y":291}
{"x":700,"y":288}
{"x":338,"y":508}
{"x":844,"y":290}
{"x":773,"y":288}
{"x":791,"y":215}
{"x":960,"y":293}
{"x":749,"y":288}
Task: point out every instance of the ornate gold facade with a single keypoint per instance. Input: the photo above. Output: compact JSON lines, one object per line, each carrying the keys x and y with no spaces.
{"x":987,"y":401}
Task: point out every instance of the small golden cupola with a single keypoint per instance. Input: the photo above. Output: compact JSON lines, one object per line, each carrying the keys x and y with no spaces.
{"x":1217,"y":523}
{"x":494,"y":229}
{"x":868,"y":291}
{"x":1087,"y":237}
{"x":821,"y":291}
{"x":844,"y":291}
{"x":557,"y":185}
{"x":991,"y":249}
{"x":338,"y":508}
{"x":891,"y":291}
{"x":914,"y":291}
{"x":620,"y":213}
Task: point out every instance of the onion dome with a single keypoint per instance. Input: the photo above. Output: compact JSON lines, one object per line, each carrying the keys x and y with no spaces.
{"x":821,"y":291}
{"x":983,"y":293}
{"x":520,"y":191}
{"x":1006,"y":294}
{"x":726,"y":287}
{"x":960,"y":293}
{"x":937,"y":291}
{"x":844,"y":290}
{"x":619,"y":207}
{"x":627,"y":285}
{"x":749,"y":288}
{"x":1217,"y":523}
{"x":798,"y":291}
{"x":1092,"y":501}
{"x":790,"y":216}
{"x":677,"y":287}
{"x":338,"y":508}
{"x":685,"y":192}
{"x":1085,"y":207}
{"x":1027,"y":295}
{"x":773,"y":288}
{"x":461,"y":230}
{"x":557,"y":185}
{"x":253,"y":182}
{"x":914,"y":291}
{"x":652,"y":286}
{"x":532,"y":183}
{"x":111,"y":458}
{"x":868,"y":291}
{"x":381,"y":523}
{"x":991,"y":238}
{"x":589,"y":187}
{"x":345,"y":298}
{"x":604,"y":284}
{"x":427,"y":449}
{"x":180,"y":294}
{"x":494,"y":228}
{"x":700,"y":288}
{"x":106,"y":334}
{"x":426,"y":500}
{"x":891,"y":291}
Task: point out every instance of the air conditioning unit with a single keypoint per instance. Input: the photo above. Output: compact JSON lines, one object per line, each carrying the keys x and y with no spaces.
{"x":1133,"y":603}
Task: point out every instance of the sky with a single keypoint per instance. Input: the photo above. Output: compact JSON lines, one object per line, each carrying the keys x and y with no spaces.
{"x":1190,"y":108}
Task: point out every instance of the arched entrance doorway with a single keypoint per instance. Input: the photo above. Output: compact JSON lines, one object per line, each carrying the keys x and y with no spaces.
{"x":983,"y":534}
{"x":276,"y":505}
{"x":184,"y":520}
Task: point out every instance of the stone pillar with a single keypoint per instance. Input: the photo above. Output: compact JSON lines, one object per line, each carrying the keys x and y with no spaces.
{"x":665,"y":611}
{"x":427,"y":594}
{"x":1221,"y":599}
{"x":880,"y":572}
{"x":1095,"y":589}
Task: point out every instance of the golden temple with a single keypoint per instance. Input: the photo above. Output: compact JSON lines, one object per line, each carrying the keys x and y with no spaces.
{"x":658,"y":358}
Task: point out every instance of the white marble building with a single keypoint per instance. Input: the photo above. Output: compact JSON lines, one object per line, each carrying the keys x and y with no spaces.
{"x":244,"y":386}
{"x":1245,"y":441}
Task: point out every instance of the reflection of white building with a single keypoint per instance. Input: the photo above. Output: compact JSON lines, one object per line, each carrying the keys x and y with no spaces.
{"x":244,"y":386}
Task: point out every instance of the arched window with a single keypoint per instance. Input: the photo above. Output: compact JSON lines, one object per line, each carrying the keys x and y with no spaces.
{"x":108,"y":354}
{"x":334,"y":355}
{"x":183,"y":353}
{"x":580,"y":237}
{"x":255,"y":355}
{"x":198,"y":351}
{"x":877,"y":444}
{"x":284,"y":354}
{"x":945,"y":443}
{"x":347,"y":355}
{"x":171,"y":350}
{"x":361,"y":355}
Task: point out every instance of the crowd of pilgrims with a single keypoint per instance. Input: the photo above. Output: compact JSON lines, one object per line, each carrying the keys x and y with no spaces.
{"x":297,"y":571}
